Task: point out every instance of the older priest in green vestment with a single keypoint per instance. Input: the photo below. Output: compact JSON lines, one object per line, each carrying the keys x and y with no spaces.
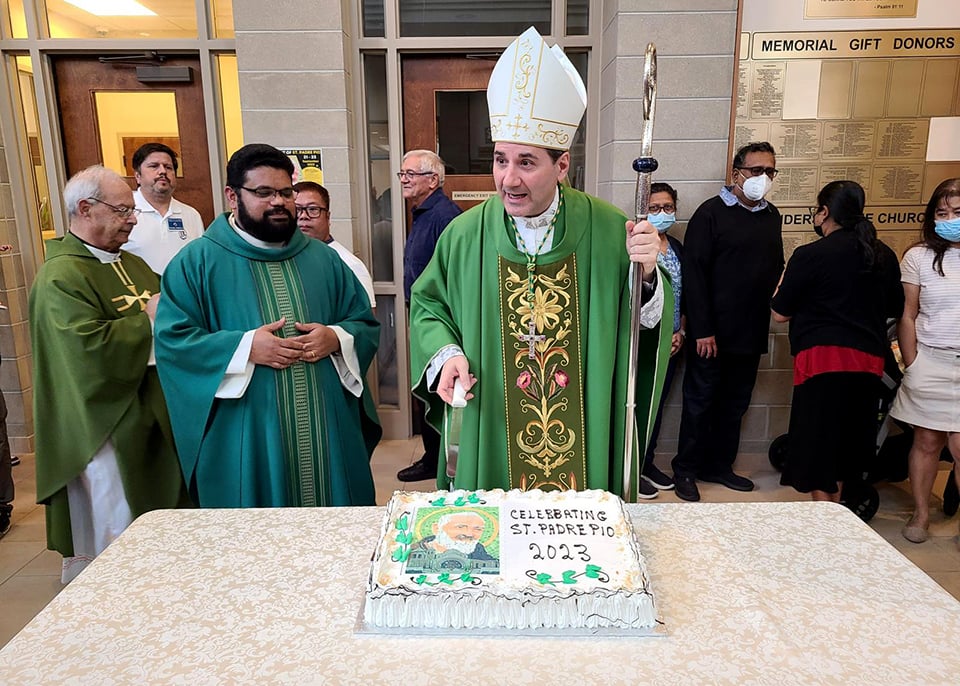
{"x":526,"y":302}
{"x":264,"y":337}
{"x":105,"y":451}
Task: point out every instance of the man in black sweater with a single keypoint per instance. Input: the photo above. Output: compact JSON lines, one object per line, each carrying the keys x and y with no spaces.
{"x":733,"y":257}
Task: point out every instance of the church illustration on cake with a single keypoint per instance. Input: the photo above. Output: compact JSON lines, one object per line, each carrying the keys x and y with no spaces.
{"x":455,"y":540}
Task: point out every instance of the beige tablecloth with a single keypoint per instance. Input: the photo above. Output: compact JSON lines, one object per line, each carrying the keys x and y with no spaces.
{"x":765,"y":593}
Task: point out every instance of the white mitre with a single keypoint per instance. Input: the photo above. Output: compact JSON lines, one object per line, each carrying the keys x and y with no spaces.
{"x":535,"y":95}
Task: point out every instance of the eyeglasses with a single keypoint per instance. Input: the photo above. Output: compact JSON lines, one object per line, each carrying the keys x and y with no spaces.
{"x":409,"y":174}
{"x":124,"y":212}
{"x":268,"y":193}
{"x":312,"y":211}
{"x":656,"y":209}
{"x":814,"y":209}
{"x":757,"y":171}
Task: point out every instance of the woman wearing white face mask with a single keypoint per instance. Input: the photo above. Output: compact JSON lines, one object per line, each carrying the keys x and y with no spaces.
{"x":930,"y":345}
{"x":662,"y":213}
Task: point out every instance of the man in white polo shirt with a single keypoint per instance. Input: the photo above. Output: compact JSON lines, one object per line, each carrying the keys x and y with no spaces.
{"x":165,"y":224}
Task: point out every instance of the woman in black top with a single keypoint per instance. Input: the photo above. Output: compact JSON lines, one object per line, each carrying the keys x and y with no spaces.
{"x":837,"y":293}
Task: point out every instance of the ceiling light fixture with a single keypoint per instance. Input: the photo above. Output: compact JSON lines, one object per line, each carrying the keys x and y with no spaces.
{"x":113,"y":8}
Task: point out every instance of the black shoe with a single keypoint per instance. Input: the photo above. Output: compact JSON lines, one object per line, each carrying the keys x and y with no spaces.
{"x":656,"y":478}
{"x":14,"y":460}
{"x":732,"y":481}
{"x":418,"y":471}
{"x":687,"y":488}
{"x":951,"y":496}
{"x":646,"y":490}
{"x":5,"y":521}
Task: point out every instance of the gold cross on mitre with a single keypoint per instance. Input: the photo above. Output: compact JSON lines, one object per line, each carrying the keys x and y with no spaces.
{"x":517,"y":125}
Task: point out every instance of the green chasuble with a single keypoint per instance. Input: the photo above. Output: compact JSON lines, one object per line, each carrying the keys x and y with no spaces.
{"x":296,"y":437}
{"x":91,"y":342}
{"x":550,"y":401}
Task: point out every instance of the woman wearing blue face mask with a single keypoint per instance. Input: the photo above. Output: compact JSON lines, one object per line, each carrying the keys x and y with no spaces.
{"x":662,"y":213}
{"x":837,"y":293}
{"x":929,"y":333}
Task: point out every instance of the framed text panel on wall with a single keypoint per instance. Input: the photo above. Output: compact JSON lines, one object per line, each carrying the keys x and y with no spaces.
{"x":852,"y":89}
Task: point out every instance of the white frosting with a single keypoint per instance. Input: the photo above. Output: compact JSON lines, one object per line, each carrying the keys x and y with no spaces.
{"x":563,"y":559}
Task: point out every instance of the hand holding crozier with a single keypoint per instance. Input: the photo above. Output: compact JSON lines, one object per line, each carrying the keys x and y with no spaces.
{"x":643,"y":244}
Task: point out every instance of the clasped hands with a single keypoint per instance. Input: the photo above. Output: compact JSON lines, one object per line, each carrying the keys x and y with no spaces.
{"x":316,"y":343}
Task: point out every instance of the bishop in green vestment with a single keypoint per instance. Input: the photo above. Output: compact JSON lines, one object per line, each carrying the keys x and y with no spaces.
{"x":95,"y":394}
{"x":295,"y":426}
{"x":527,"y":302}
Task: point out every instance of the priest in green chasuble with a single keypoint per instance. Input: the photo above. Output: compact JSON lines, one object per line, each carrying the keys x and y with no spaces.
{"x":104,"y":447}
{"x":527,"y":302}
{"x":264,"y":337}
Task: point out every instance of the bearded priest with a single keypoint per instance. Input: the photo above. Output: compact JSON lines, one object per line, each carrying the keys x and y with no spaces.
{"x":527,"y":302}
{"x":264,"y":337}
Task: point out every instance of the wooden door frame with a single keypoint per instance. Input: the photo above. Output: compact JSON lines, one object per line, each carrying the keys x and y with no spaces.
{"x":425,"y":74}
{"x":79,"y":150}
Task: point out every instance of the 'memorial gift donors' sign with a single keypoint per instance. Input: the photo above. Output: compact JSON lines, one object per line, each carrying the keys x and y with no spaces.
{"x":852,"y":89}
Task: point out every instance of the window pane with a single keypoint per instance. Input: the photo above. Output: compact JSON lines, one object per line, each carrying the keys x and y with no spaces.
{"x":230,"y":104}
{"x":387,"y":352}
{"x":378,"y":144}
{"x":578,"y":13}
{"x":473,"y":18}
{"x":578,"y":155}
{"x":31,"y":125}
{"x":127,"y":120}
{"x":373,"y":18}
{"x":221,"y":13}
{"x":18,"y":23}
{"x":148,"y":19}
{"x":463,"y":132}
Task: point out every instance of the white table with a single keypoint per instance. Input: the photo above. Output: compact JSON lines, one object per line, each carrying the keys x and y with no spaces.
{"x":766,"y":593}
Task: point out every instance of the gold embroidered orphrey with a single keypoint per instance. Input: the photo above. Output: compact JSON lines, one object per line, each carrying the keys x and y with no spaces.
{"x":133,"y":299}
{"x":543,"y":392}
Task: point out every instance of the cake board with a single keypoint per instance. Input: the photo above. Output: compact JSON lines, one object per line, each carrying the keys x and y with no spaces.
{"x":364,"y":629}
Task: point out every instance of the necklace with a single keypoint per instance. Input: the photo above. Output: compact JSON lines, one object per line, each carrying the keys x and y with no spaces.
{"x":531,"y":337}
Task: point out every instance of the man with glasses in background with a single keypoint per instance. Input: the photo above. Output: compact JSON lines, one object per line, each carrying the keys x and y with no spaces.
{"x":732,"y":259}
{"x":421,"y":180}
{"x":313,"y":218}
{"x":264,"y":337}
{"x":104,"y":449}
{"x":165,"y":224}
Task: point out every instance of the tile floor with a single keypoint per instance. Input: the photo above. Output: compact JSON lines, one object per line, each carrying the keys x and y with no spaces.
{"x":30,"y":574}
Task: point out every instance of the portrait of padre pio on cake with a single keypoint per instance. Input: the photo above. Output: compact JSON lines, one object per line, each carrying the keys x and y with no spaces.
{"x":455,"y":540}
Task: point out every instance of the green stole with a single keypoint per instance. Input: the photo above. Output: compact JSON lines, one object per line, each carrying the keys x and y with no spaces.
{"x":544,"y":408}
{"x":302,"y":422}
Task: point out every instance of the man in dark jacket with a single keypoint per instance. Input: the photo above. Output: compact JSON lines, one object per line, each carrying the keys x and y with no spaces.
{"x":421,"y":179}
{"x":733,"y":257}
